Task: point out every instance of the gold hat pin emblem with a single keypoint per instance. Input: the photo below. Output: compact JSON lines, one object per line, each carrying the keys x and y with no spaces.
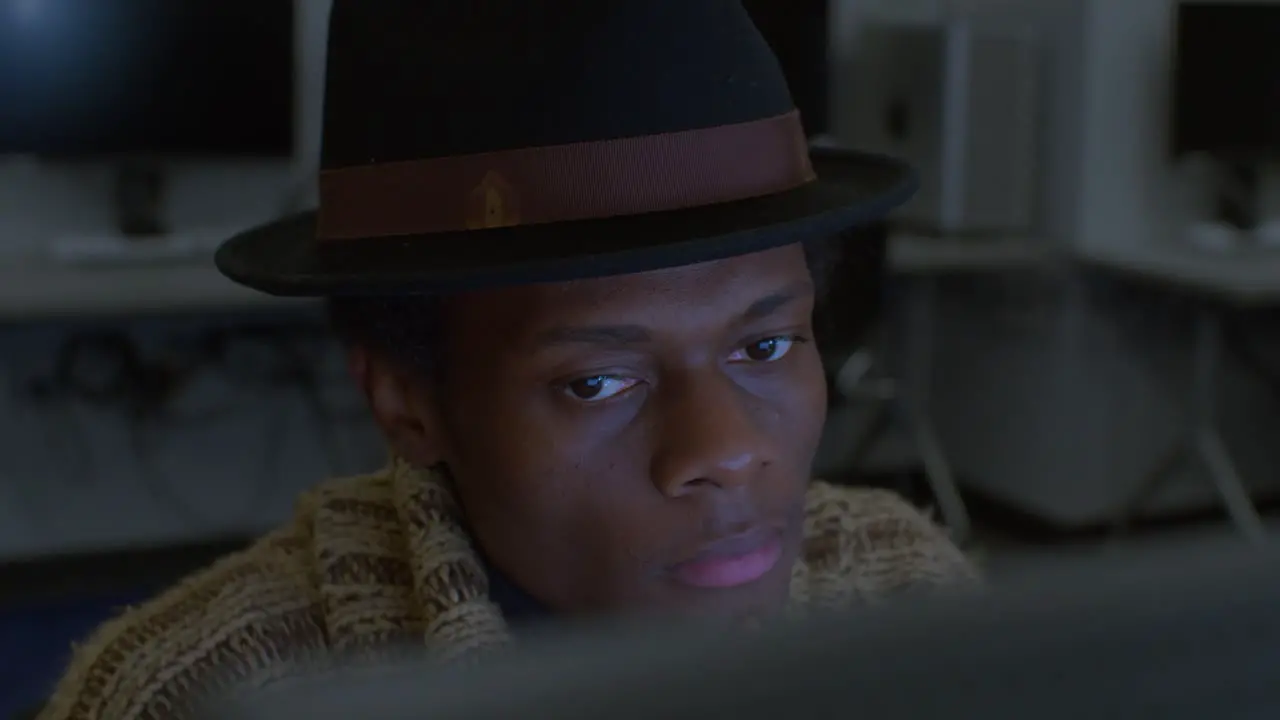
{"x":493,"y":203}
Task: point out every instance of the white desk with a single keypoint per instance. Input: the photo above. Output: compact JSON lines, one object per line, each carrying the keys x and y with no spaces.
{"x":921,"y":261}
{"x":38,"y":287}
{"x":1247,"y":280}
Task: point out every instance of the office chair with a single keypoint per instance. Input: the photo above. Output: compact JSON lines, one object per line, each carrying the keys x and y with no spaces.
{"x":848,"y":318}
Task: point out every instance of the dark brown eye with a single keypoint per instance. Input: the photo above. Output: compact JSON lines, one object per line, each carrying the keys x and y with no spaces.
{"x":768,"y":350}
{"x":586,"y":388}
{"x":598,"y":387}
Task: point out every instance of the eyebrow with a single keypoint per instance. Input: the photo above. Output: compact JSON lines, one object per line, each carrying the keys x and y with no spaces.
{"x":773,"y":302}
{"x":638,"y":334}
{"x":594,"y":335}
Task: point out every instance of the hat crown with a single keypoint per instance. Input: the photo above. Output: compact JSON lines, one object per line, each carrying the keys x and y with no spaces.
{"x":417,"y":79}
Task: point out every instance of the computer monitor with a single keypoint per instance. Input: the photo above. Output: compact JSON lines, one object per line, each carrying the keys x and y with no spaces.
{"x":1226,"y":81}
{"x":91,"y":79}
{"x":1192,"y":634}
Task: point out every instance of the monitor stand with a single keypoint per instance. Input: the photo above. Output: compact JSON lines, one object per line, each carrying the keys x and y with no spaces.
{"x":139,"y":200}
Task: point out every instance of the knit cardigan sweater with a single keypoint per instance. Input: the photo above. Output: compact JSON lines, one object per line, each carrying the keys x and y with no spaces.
{"x":372,"y":561}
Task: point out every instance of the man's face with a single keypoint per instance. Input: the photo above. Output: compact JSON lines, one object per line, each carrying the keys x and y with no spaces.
{"x":640,"y":442}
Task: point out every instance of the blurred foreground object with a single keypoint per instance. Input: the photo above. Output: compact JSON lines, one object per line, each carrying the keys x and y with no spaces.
{"x":1186,"y":635}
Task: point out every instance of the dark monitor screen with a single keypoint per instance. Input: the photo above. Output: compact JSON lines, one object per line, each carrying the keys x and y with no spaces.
{"x":1226,"y":93}
{"x":204,"y":78}
{"x":1176,"y":633}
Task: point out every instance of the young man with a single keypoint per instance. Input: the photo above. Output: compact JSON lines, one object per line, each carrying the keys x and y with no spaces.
{"x":574,"y":248}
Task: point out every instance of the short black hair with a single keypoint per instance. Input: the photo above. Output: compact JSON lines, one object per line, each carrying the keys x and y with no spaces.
{"x":408,"y":329}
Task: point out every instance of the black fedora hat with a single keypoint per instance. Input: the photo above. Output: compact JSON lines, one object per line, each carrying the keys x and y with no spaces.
{"x":482,"y":142}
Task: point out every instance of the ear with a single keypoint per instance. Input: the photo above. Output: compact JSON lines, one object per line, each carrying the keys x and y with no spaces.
{"x":402,"y":404}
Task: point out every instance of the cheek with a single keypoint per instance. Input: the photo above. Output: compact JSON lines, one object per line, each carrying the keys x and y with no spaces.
{"x":555,"y":501}
{"x":815,"y":409}
{"x":797,"y":402}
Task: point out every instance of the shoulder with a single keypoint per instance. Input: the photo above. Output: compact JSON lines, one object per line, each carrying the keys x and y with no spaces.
{"x":250,"y":618}
{"x":862,"y":543}
{"x":363,"y":565}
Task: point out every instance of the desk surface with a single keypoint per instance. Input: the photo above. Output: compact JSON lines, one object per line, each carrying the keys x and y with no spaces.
{"x":39,"y":288}
{"x":1244,"y":279}
{"x":34,"y":286}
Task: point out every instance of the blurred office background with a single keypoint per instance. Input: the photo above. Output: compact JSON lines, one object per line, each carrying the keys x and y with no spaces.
{"x":1075,"y":347}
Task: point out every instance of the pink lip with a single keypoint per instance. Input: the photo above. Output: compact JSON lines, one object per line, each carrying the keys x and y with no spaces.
{"x":734,"y":561}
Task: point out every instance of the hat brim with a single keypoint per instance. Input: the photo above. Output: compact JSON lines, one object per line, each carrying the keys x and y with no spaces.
{"x":283,"y":258}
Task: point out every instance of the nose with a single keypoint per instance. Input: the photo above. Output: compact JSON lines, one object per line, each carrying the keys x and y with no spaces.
{"x":709,"y":433}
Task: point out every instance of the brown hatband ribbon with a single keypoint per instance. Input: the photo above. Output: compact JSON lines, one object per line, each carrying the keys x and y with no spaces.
{"x":579,"y":181}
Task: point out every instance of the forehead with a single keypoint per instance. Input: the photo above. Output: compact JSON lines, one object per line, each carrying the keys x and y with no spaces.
{"x":649,"y":298}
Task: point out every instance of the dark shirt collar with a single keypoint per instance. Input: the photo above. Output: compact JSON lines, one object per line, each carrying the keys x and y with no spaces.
{"x":518,"y":607}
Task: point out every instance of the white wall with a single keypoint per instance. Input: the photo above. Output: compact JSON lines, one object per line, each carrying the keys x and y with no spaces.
{"x":1135,"y":195}
{"x":1058,"y":25}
